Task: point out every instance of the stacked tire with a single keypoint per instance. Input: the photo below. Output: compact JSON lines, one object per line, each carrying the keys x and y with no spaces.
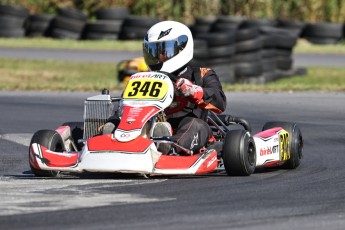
{"x":218,"y":54}
{"x":38,"y":25}
{"x":248,"y":66}
{"x":108,"y":24}
{"x":293,"y":26}
{"x":136,"y":27}
{"x":323,"y":33}
{"x":68,"y":24}
{"x":284,"y":40}
{"x":202,"y":25}
{"x":12,"y":21}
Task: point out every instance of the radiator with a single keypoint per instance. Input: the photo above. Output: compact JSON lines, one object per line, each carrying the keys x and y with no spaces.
{"x":97,"y":110}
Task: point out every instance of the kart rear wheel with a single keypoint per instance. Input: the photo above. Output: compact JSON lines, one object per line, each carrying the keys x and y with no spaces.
{"x":239,"y":153}
{"x":295,"y":140}
{"x":51,"y":140}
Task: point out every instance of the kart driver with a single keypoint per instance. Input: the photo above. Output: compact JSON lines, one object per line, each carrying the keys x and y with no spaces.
{"x":168,"y":47}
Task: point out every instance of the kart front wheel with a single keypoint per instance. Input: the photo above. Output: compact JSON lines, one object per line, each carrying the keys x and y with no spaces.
{"x":295,"y":140}
{"x":52,"y":141}
{"x":239,"y":153}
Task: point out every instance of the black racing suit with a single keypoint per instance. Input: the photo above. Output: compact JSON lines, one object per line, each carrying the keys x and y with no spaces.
{"x":187,"y":119}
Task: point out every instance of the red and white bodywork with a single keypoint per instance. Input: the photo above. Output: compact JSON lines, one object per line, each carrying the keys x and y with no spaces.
{"x":272,"y":147}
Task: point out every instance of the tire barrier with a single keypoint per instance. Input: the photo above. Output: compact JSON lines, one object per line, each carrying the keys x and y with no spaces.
{"x":261,"y":50}
{"x":239,"y":49}
{"x":12,"y":21}
{"x":108,"y":24}
{"x":68,"y":24}
{"x":38,"y":25}
{"x":216,"y":50}
{"x":323,"y":33}
{"x":136,"y":27}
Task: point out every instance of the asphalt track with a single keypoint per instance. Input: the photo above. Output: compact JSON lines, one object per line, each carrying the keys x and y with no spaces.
{"x":310,"y":197}
{"x":300,"y":60}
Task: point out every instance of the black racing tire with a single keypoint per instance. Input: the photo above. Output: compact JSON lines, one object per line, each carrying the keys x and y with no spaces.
{"x":248,"y":57}
{"x":286,"y":23}
{"x":268,"y":41}
{"x":68,"y":24}
{"x":10,"y":22}
{"x":132,"y":33}
{"x":100,"y":36}
{"x":295,"y":140}
{"x":64,"y":34}
{"x":219,"y":61}
{"x":72,"y":14}
{"x":285,"y":41}
{"x":323,"y":30}
{"x":199,"y":29}
{"x":249,"y":45}
{"x":283,"y":53}
{"x":41,"y":18}
{"x":248,"y":69}
{"x":112,"y":13}
{"x":218,"y":39}
{"x":208,"y":20}
{"x":17,"y":11}
{"x":323,"y":41}
{"x":224,"y":27}
{"x":200,"y":49}
{"x":261,"y":22}
{"x":225,"y":72}
{"x":52,"y":141}
{"x":77,"y":132}
{"x":247,"y":33}
{"x":284,"y":63}
{"x":268,"y":64}
{"x":268,"y":53}
{"x":104,"y":26}
{"x":239,"y":153}
{"x":140,"y":21}
{"x":12,"y":33}
{"x":234,"y":20}
{"x":221,"y":51}
{"x":41,"y":27}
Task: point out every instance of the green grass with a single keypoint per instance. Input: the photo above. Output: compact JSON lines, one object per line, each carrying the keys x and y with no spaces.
{"x":69,"y":44}
{"x":56,"y":76}
{"x":306,"y":47}
{"x":317,"y":79}
{"x":302,"y":46}
{"x":70,"y":76}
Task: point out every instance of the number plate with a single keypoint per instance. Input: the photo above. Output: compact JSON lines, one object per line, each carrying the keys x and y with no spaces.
{"x":146,"y":89}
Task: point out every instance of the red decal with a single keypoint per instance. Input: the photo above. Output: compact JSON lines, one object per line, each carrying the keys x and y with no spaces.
{"x":176,"y":162}
{"x":106,"y":143}
{"x":136,"y":117}
{"x":268,"y":133}
{"x":209,"y":164}
{"x":272,"y":163}
{"x":59,"y":159}
{"x":32,"y":159}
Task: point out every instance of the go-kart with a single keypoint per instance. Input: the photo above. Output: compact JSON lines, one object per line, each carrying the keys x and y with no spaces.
{"x":132,"y":146}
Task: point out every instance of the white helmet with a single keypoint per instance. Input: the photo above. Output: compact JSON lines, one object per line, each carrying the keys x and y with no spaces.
{"x":168,"y":46}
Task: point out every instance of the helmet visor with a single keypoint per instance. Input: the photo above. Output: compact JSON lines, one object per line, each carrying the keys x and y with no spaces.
{"x":161,"y":51}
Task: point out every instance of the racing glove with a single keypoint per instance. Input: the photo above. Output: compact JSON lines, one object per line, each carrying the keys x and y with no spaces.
{"x":188,"y":89}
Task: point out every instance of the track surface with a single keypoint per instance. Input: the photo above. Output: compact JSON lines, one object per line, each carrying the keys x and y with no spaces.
{"x":310,"y":197}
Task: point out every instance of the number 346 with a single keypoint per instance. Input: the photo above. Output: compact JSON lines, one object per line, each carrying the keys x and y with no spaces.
{"x":150,"y":88}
